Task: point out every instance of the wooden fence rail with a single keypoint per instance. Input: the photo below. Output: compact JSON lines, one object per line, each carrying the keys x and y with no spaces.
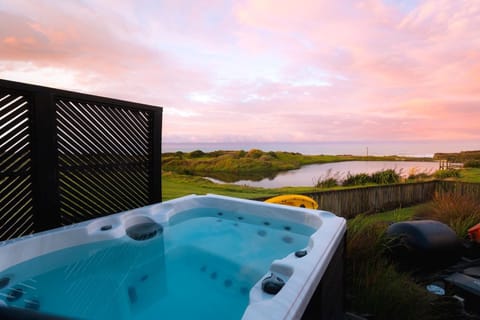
{"x":350,"y":202}
{"x":462,"y":188}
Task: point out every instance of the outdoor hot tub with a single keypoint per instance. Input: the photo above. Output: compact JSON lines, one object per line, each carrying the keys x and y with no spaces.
{"x":196,"y":257}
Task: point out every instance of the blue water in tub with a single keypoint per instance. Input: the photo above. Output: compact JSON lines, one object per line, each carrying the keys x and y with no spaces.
{"x":202,"y":266}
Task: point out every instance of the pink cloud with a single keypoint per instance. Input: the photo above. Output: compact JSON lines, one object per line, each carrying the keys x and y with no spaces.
{"x":271,"y":70}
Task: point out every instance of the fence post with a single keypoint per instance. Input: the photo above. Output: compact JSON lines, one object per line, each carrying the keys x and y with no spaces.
{"x":156,"y":165}
{"x":44,"y":162}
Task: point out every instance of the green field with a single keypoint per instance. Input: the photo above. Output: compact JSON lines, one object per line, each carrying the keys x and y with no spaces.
{"x":252,"y":165}
{"x":470,"y":175}
{"x":176,"y":185}
{"x":183,"y":172}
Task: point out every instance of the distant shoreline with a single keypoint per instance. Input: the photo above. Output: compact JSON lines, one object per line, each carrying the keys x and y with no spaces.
{"x":401,"y":149}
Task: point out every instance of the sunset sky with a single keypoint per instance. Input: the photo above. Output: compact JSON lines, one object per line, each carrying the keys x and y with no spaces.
{"x":262,"y":70}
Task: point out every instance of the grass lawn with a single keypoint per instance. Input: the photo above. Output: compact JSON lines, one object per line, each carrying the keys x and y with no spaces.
{"x":176,"y":185}
{"x":470,"y":175}
{"x":392,"y":216}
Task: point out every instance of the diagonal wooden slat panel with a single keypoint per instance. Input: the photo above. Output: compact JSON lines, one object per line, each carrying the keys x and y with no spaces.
{"x":105,"y":119}
{"x":115,"y":120}
{"x":84,"y":127}
{"x":15,"y":206}
{"x":16,"y":141}
{"x":19,"y":161}
{"x":11,"y":191}
{"x":21,"y":226}
{"x":67,"y":157}
{"x":18,"y":213}
{"x":139,"y":122}
{"x":90,"y":187}
{"x":138,"y":181}
{"x":100,"y":130}
{"x":114,"y":191}
{"x":13,"y":120}
{"x":10,"y":106}
{"x":16,"y":190}
{"x":105,"y":154}
{"x":134,"y":127}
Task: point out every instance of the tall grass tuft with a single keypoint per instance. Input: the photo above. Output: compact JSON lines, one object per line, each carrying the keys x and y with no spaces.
{"x":380,"y":177}
{"x":415,"y":177}
{"x":374,"y":286}
{"x":356,"y":179}
{"x":458,"y":211}
{"x":329,"y":180}
{"x":386,"y":176}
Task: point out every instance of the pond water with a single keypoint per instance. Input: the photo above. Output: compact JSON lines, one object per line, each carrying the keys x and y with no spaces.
{"x":309,"y":175}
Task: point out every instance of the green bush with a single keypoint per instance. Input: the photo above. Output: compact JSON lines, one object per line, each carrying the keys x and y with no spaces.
{"x":418,"y":176}
{"x":273,"y":154}
{"x":385,"y":177}
{"x":379,"y":177}
{"x":356,"y":179}
{"x":447,"y":173}
{"x":239,"y":154}
{"x":197,"y":154}
{"x":472,"y":164}
{"x":255,"y":153}
{"x":327,"y":183}
{"x":216,"y":154}
{"x":179,"y":154}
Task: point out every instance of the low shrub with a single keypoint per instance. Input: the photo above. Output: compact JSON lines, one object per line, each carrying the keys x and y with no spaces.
{"x":447,"y":173}
{"x":385,"y":177}
{"x":197,"y":154}
{"x":471,"y":164}
{"x":254,"y":153}
{"x":241,"y":154}
{"x":380,"y":177}
{"x":418,"y":176}
{"x":326,"y":183}
{"x":273,"y":154}
{"x":356,"y":179}
{"x":179,"y":155}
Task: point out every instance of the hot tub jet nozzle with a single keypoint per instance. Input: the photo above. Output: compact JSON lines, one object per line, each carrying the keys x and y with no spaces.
{"x":272,"y":284}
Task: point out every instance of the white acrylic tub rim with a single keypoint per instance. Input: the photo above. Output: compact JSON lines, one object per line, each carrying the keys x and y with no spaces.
{"x":302,"y":275}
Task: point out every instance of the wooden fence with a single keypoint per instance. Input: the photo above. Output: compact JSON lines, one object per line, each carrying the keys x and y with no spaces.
{"x":462,"y":188}
{"x":351,"y":202}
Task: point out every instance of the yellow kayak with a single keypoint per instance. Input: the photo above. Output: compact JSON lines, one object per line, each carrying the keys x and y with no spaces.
{"x":295,"y":200}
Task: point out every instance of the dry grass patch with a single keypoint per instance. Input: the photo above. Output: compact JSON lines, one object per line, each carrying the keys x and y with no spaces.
{"x":459,"y":212}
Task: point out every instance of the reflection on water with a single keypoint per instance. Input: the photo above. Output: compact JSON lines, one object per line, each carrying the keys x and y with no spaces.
{"x":309,"y":175}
